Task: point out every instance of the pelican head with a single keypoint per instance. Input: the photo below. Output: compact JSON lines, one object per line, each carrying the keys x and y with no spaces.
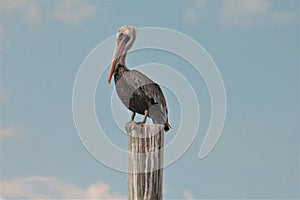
{"x":125,"y":39}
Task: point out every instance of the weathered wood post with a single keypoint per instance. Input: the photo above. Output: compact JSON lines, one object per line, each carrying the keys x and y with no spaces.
{"x":145,"y":161}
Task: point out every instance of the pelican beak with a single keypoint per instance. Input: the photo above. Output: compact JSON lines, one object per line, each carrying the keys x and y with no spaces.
{"x":119,"y":51}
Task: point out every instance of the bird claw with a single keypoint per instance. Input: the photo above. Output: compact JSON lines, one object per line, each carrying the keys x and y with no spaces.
{"x":136,"y":123}
{"x":140,"y":123}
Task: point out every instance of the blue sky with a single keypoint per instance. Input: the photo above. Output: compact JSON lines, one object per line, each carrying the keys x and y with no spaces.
{"x":255,"y":45}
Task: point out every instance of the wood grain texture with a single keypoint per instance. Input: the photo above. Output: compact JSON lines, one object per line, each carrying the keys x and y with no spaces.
{"x":145,"y":161}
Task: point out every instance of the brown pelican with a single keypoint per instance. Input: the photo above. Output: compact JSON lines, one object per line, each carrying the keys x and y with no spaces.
{"x":136,"y":91}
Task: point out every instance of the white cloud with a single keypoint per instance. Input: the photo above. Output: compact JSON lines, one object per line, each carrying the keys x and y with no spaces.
{"x":191,"y":13}
{"x":237,"y":13}
{"x":12,"y":6}
{"x":68,"y":11}
{"x":187,"y":195}
{"x":249,"y":14}
{"x":242,"y":13}
{"x":8,"y":132}
{"x":40,"y":187}
{"x":28,"y":9}
{"x":74,"y":11}
{"x":33,"y":13}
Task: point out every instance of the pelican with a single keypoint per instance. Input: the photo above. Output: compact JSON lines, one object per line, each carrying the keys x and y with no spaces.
{"x":137,"y":92}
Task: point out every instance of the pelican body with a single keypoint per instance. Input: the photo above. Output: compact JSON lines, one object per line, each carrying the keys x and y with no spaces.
{"x":137,"y":92}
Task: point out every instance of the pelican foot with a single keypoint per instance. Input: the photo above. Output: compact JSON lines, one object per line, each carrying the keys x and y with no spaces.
{"x":131,"y":122}
{"x":140,"y":123}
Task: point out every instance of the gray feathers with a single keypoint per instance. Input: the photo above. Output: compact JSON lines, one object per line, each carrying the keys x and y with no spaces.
{"x":139,"y":93}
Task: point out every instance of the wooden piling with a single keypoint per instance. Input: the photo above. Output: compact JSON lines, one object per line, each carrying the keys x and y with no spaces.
{"x":145,"y":161}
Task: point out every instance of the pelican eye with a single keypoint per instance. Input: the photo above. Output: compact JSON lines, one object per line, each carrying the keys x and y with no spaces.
{"x":121,"y":35}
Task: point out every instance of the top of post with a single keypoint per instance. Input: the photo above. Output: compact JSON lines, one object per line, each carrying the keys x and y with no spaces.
{"x":143,"y":130}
